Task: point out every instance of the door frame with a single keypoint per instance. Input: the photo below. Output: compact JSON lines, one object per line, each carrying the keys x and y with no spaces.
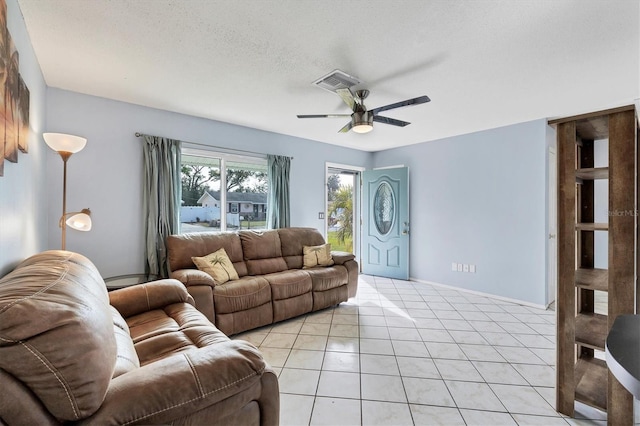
{"x":357,"y":203}
{"x":552,"y":225}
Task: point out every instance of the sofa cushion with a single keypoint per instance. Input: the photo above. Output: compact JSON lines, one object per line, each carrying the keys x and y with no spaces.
{"x":218,"y":265}
{"x":287,"y":284}
{"x":317,"y":256}
{"x":67,"y":357}
{"x":323,"y":279}
{"x":240,"y":295}
{"x":262,"y":252}
{"x":181,"y":248}
{"x":174,"y":328}
{"x":293,"y":239}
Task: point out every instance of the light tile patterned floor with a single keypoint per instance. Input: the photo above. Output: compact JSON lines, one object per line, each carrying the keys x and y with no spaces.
{"x":404,"y":353}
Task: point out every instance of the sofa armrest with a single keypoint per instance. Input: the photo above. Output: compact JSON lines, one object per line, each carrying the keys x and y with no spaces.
{"x":200,"y":286}
{"x":190,"y":277}
{"x":341,"y":257}
{"x":182,"y":384}
{"x":145,"y":297}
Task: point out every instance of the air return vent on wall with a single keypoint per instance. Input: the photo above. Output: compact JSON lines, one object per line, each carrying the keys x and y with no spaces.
{"x":336,"y":80}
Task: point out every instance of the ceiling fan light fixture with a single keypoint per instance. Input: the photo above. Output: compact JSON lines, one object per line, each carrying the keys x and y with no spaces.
{"x":362,"y":122}
{"x":362,"y":128}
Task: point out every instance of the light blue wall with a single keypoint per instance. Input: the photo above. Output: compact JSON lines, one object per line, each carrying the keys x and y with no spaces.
{"x":480,"y":199}
{"x":107,"y":175}
{"x":23,"y":199}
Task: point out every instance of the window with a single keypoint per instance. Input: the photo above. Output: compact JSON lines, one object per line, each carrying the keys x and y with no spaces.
{"x":243,"y":180}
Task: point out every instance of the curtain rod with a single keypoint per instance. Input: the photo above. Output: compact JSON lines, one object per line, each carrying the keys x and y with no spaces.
{"x":138,"y":134}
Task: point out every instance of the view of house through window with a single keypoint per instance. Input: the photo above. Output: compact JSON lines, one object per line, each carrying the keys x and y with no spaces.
{"x":222,"y":192}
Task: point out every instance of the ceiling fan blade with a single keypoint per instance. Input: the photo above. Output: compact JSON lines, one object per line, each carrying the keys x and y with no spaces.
{"x":346,"y":127}
{"x":347,"y":97}
{"x":408,"y":102}
{"x":392,"y":121}
{"x":324,"y":116}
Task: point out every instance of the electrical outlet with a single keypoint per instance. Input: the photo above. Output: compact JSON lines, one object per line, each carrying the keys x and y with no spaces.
{"x":465,"y":268}
{"x":472,"y":269}
{"x":459,"y":267}
{"x":321,"y":215}
{"x":454,"y":267}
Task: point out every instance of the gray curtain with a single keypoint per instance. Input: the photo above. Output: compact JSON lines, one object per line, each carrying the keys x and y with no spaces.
{"x":161,"y":199}
{"x":278,"y":207}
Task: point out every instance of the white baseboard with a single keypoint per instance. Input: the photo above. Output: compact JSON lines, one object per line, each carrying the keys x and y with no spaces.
{"x":479,"y":293}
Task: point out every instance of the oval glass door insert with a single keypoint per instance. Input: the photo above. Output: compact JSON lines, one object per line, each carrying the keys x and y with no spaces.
{"x":384,"y":208}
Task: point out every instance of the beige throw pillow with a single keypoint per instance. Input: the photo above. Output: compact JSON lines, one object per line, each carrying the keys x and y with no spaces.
{"x":317,"y":256}
{"x":218,"y":265}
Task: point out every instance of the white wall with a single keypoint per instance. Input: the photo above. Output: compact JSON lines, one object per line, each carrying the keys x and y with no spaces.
{"x":23,"y":191}
{"x":601,"y":205}
{"x":107,"y":175}
{"x":480,"y":199}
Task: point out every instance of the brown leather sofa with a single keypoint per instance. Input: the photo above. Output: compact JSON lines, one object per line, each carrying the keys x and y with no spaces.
{"x":273,"y":286}
{"x":71,"y":352}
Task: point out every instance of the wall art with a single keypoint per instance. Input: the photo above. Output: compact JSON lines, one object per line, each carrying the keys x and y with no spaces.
{"x":14,"y":98}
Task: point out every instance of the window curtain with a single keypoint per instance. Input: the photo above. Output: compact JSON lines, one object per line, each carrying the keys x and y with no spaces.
{"x":278,"y":207}
{"x":161,"y":200}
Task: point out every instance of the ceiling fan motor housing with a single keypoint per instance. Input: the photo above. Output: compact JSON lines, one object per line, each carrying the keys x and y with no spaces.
{"x":361,"y":120}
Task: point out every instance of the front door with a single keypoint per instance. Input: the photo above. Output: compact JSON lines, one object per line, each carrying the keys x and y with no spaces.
{"x":385,"y":228}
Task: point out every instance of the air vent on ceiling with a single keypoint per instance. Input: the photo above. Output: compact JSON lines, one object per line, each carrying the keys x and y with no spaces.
{"x":336,"y":80}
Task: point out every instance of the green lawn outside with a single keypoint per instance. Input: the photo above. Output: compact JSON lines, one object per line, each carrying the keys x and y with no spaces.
{"x":254,"y":224}
{"x":244,"y":224}
{"x":332,"y":238}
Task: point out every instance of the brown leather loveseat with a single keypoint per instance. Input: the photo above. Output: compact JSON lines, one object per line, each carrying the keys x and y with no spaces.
{"x":71,"y":352}
{"x":272,"y":285}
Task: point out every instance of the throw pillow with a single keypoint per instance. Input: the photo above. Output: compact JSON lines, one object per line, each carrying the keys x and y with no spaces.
{"x":218,"y":265}
{"x":317,"y":256}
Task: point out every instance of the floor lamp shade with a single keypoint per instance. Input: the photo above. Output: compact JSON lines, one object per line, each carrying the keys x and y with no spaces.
{"x":60,"y":142}
{"x":80,"y":221}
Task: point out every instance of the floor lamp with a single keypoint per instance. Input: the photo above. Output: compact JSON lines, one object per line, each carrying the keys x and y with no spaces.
{"x":66,"y":145}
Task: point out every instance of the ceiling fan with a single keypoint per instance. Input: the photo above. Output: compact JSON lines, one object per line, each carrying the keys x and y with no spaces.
{"x":361,"y":118}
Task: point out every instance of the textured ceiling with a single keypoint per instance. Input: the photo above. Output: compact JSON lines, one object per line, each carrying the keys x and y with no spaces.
{"x":484,"y":64}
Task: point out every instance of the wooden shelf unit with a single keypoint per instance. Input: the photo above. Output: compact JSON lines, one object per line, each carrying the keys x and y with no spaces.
{"x":581,"y":332}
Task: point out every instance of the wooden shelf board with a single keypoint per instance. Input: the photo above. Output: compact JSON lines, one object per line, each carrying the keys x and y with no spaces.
{"x":591,"y":382}
{"x":592,"y":279}
{"x":592,"y":226}
{"x":593,"y":173}
{"x":591,"y":330}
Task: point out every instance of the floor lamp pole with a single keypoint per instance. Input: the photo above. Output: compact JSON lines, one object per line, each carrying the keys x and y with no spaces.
{"x":65,"y":156}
